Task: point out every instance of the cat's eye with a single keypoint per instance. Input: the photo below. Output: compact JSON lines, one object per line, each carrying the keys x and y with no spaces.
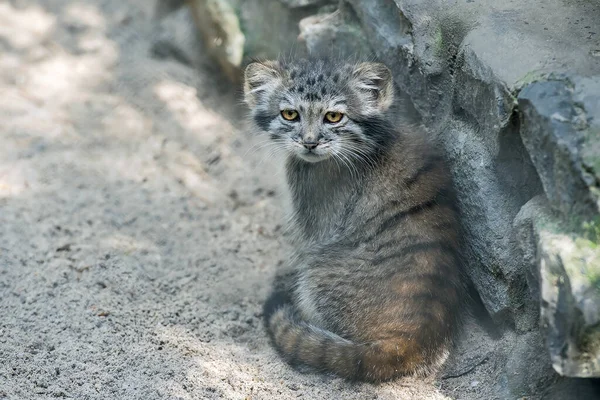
{"x":289,"y":115}
{"x":333,"y":117}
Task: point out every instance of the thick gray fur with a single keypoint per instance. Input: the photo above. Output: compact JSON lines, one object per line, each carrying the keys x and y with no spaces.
{"x":377,"y":287}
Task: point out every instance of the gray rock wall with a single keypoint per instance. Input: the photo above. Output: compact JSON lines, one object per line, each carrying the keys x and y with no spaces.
{"x":512,"y":92}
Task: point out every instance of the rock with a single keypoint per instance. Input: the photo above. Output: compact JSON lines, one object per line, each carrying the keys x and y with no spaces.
{"x":527,"y":371}
{"x":304,"y":3}
{"x":176,"y":37}
{"x":488,"y":209}
{"x":570,"y":294}
{"x":524,"y":225}
{"x":278,"y":37}
{"x":566,"y":264}
{"x":486,"y":100}
{"x":573,"y":389}
{"x":219,"y":27}
{"x":230,"y":29}
{"x":528,"y":374}
{"x":165,"y":7}
{"x":338,"y":32}
{"x":561,"y":130}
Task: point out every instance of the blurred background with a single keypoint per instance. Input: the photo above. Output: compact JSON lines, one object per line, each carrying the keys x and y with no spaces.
{"x":140,"y":223}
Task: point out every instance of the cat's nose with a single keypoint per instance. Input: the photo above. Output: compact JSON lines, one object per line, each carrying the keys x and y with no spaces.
{"x":310,"y":145}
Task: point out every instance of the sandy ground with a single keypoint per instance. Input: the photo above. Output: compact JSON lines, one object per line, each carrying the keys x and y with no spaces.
{"x":139,"y":227}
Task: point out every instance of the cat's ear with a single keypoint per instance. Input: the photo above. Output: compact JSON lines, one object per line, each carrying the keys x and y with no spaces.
{"x":374,"y":85}
{"x":259,"y":79}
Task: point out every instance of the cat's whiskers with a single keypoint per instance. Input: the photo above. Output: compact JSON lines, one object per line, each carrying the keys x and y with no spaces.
{"x":358,"y":153}
{"x":257,"y":146}
{"x":344,"y":160}
{"x":271,"y":149}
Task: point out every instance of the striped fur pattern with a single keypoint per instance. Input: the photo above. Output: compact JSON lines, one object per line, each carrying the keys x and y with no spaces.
{"x":375,"y":290}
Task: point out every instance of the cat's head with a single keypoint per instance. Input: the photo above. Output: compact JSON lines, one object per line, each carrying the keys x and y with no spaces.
{"x":316,"y":110}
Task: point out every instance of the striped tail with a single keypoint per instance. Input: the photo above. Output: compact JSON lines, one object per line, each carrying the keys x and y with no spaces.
{"x":303,"y":344}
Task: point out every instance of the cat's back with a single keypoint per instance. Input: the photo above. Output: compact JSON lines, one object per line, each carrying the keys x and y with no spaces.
{"x":410,"y":190}
{"x":412,"y":166}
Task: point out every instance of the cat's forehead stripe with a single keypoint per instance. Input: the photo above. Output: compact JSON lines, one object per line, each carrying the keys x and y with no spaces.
{"x":312,"y":88}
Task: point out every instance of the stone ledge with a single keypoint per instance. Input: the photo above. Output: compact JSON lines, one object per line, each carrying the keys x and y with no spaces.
{"x":561,"y":131}
{"x":565,"y":271}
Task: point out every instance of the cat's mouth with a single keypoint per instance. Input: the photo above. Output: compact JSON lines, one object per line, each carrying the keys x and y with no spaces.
{"x":314,"y":155}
